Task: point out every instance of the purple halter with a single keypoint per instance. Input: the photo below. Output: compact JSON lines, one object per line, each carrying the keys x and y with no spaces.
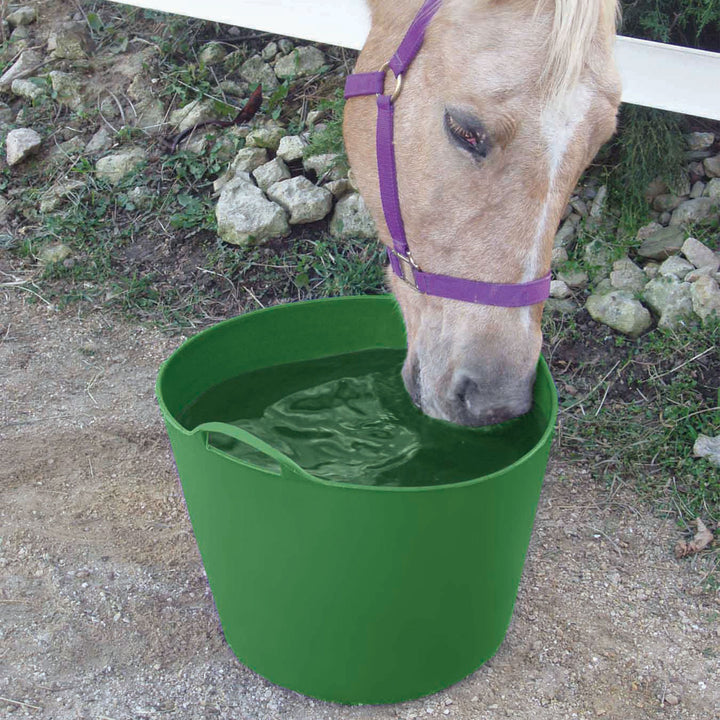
{"x":401,"y":260}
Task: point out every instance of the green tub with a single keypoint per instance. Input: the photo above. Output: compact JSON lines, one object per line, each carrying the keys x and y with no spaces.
{"x":349,"y":593}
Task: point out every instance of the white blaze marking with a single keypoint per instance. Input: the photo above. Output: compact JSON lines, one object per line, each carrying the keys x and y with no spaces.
{"x":558,"y":124}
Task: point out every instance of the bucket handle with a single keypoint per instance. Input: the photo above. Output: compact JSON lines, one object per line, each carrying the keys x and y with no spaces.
{"x":286,"y":464}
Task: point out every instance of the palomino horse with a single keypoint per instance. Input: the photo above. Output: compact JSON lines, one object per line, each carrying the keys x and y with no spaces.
{"x":500,"y":110}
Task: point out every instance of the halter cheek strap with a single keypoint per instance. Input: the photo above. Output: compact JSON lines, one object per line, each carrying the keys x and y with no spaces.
{"x":401,"y":260}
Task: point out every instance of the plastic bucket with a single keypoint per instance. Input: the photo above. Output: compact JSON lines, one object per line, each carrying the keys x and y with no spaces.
{"x":349,"y":593}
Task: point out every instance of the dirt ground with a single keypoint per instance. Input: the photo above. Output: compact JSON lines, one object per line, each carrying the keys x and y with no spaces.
{"x":105,"y":611}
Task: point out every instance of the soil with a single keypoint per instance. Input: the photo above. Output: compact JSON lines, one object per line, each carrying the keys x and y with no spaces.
{"x":105,"y":611}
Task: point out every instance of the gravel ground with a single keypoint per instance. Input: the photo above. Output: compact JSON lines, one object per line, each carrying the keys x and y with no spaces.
{"x":105,"y":611}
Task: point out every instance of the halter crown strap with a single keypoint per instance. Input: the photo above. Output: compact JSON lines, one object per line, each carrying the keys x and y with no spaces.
{"x":401,"y":260}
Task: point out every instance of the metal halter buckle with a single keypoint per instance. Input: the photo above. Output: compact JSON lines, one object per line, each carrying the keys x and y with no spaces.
{"x":408,"y":267}
{"x":398,"y":81}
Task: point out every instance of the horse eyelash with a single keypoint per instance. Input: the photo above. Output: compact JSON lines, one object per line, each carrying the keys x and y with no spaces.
{"x":475,"y":141}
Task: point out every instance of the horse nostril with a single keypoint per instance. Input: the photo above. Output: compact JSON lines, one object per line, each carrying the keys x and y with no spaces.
{"x":468,"y":393}
{"x":475,"y":407}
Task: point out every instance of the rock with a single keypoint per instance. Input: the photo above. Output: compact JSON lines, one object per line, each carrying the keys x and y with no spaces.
{"x":325,"y":167}
{"x":666,"y":202}
{"x":664,"y":218}
{"x":267,"y":136}
{"x":339,"y":187}
{"x":712,"y":166}
{"x":565,"y":236}
{"x":579,"y":206}
{"x":352,"y":219}
{"x":67,"y":89}
{"x":6,"y":114}
{"x":20,"y":144}
{"x":647,"y":231}
{"x":22,"y":16}
{"x":712,"y":189}
{"x":212,"y":53}
{"x":652,"y":269}
{"x":235,"y":89}
{"x":559,"y":289}
{"x":700,"y":255}
{"x":598,"y":203}
{"x":70,"y":41}
{"x":303,"y":61}
{"x":291,"y":147}
{"x":314,"y":116}
{"x":141,"y":197}
{"x":620,"y":311}
{"x":28,"y":61}
{"x":705,"y":294}
{"x":115,"y":167}
{"x":672,"y":700}
{"x":700,"y":140}
{"x":256,"y":70}
{"x":20,"y":37}
{"x":675,"y":267}
{"x":99,"y":142}
{"x":31,"y":90}
{"x":656,"y":187}
{"x":559,"y":257}
{"x":576,"y":279}
{"x":697,"y":190}
{"x":271,"y":173}
{"x":598,"y":256}
{"x":151,"y":116}
{"x":663,"y":243}
{"x":194,"y":113}
{"x":269,"y":52}
{"x":560,"y":305}
{"x":304,"y":201}
{"x":670,"y":299}
{"x":244,"y":215}
{"x":71,"y":148}
{"x":248,"y":159}
{"x":709,"y":448}
{"x":285,"y":46}
{"x":626,"y":275}
{"x":55,"y":253}
{"x":58,"y":193}
{"x":694,"y":275}
{"x":694,"y":211}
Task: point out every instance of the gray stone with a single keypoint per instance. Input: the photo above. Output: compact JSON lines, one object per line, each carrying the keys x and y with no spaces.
{"x":647,"y":231}
{"x":598,"y":255}
{"x":303,"y":61}
{"x":709,"y":448}
{"x":271,"y":173}
{"x":620,"y":311}
{"x":663,"y":243}
{"x":291,"y":147}
{"x":245,"y":216}
{"x":141,"y":197}
{"x":700,"y":140}
{"x":565,"y":236}
{"x":235,"y":89}
{"x":194,"y":113}
{"x":151,"y":115}
{"x":29,"y":89}
{"x":115,"y":167}
{"x":313,"y":117}
{"x":325,"y":167}
{"x":58,"y":193}
{"x":20,"y":37}
{"x":285,"y":46}
{"x":670,"y":299}
{"x":269,"y":51}
{"x":67,"y":89}
{"x":579,"y":206}
{"x":652,"y":269}
{"x":664,"y":218}
{"x":656,"y":187}
{"x":675,"y":267}
{"x":304,"y":201}
{"x":559,"y":257}
{"x":339,"y":187}
{"x":352,"y":218}
{"x":576,"y":279}
{"x":267,"y":136}
{"x":626,"y":275}
{"x":705,"y":296}
{"x":712,"y":189}
{"x":666,"y":202}
{"x":559,"y":289}
{"x":22,"y":16}
{"x":694,"y":211}
{"x":598,"y":203}
{"x":55,"y":253}
{"x":248,"y":159}
{"x":700,"y":255}
{"x":28,"y":61}
{"x":70,"y":149}
{"x":212,"y":53}
{"x":256,"y":70}
{"x":70,"y":41}
{"x":697,"y":190}
{"x":564,"y":306}
{"x":712,"y":166}
{"x":20,"y":144}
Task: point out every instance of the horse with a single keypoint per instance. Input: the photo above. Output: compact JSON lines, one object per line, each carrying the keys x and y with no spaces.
{"x":502,"y":107}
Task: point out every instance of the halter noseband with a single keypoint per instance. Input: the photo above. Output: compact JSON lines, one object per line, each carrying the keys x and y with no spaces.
{"x":401,"y":260}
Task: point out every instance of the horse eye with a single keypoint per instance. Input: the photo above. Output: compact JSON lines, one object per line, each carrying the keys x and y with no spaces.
{"x":467,"y":132}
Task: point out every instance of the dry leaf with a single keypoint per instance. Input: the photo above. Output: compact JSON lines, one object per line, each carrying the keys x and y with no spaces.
{"x":703,"y":537}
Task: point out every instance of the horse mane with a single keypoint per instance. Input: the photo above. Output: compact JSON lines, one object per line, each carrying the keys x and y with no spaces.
{"x":574,"y":29}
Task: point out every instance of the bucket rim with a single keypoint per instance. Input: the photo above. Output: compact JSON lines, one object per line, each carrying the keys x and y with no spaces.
{"x":543,"y":375}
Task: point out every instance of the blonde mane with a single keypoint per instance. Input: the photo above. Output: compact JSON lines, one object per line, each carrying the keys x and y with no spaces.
{"x":574,"y":29}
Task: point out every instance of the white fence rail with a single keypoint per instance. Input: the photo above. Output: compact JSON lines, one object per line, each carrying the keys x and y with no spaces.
{"x":653,"y":74}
